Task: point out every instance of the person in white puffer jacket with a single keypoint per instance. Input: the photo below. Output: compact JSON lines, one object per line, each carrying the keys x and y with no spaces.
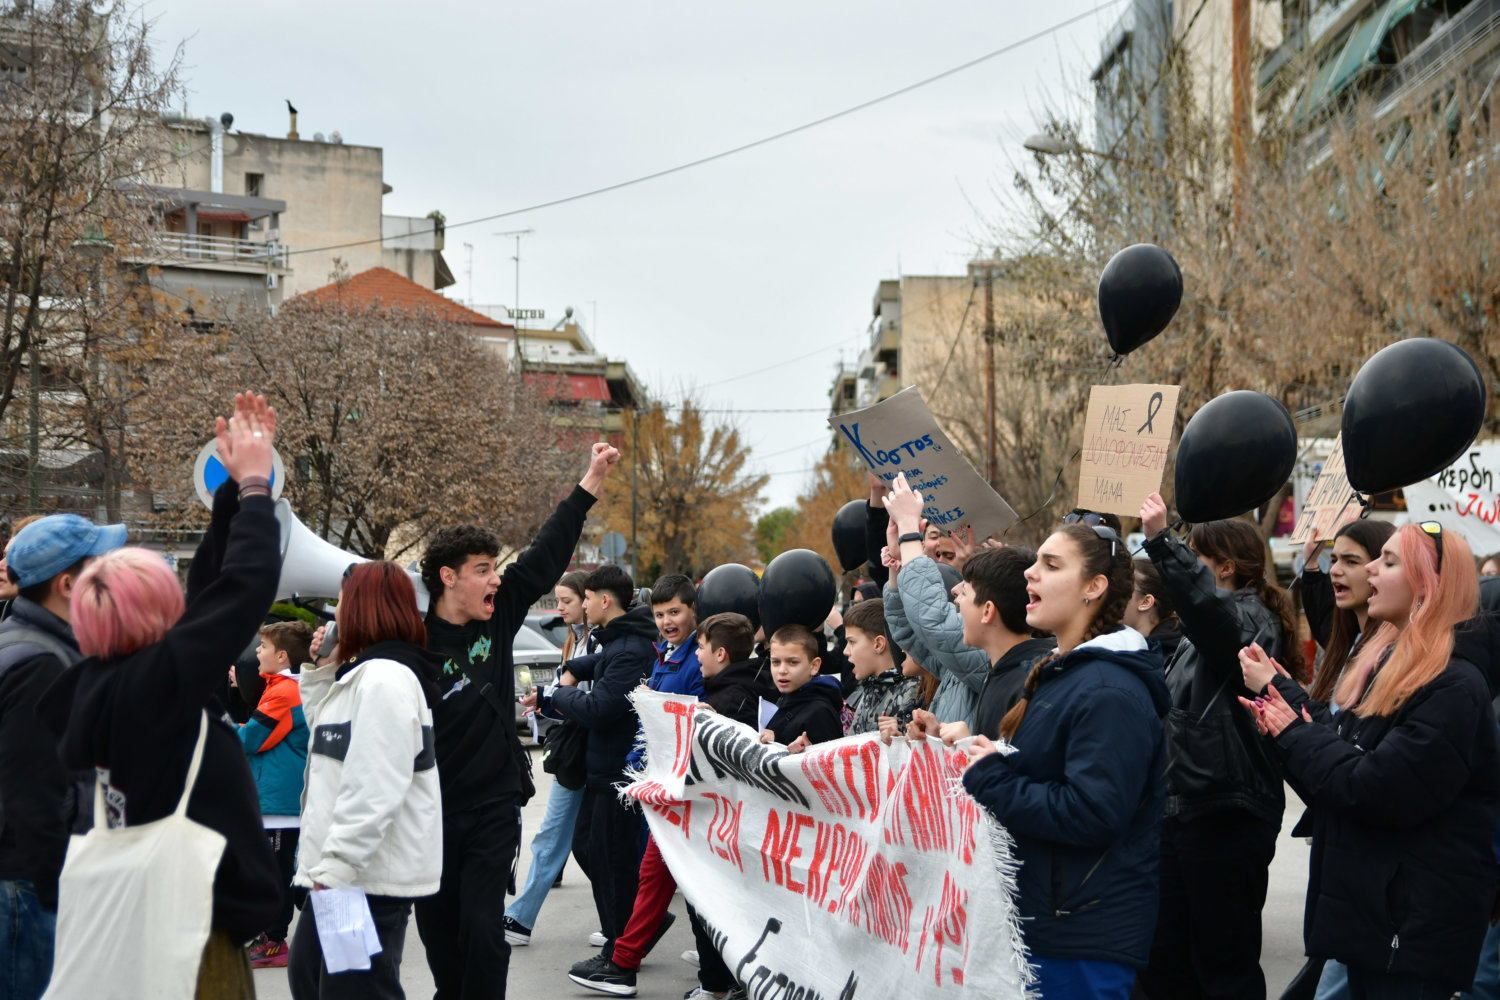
{"x":371,"y":805}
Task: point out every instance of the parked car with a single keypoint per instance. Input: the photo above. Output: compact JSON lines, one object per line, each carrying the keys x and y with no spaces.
{"x":536,"y":662}
{"x":549,"y":624}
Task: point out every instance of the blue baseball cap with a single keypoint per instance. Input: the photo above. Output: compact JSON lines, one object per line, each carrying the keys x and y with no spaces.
{"x":45,"y":548}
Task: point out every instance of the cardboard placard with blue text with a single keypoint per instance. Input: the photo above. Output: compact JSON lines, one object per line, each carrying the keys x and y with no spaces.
{"x":900,"y":435}
{"x":1127,"y":436}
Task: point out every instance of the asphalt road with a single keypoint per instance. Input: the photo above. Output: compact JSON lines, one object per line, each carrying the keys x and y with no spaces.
{"x":561,"y":935}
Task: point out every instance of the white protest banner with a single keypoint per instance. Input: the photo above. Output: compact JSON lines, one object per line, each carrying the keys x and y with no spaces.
{"x":1472,"y":482}
{"x":1330,"y":504}
{"x":1127,"y":436}
{"x":900,"y":435}
{"x":852,"y":869}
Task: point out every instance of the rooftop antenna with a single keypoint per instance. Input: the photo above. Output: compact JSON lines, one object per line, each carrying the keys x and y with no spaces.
{"x":469,"y":270}
{"x":517,"y":233}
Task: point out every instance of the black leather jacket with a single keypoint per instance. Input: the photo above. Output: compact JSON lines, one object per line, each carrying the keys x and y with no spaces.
{"x":1215,"y":759}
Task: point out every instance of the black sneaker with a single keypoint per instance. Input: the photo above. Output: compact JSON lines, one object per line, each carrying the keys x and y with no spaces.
{"x":661,"y":930}
{"x":599,"y":973}
{"x":517,"y":934}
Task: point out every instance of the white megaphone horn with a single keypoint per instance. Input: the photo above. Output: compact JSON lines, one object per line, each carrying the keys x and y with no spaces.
{"x":311,"y":568}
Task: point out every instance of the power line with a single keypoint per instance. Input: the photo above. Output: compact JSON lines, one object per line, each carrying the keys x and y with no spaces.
{"x":788,"y":361}
{"x":835,"y":116}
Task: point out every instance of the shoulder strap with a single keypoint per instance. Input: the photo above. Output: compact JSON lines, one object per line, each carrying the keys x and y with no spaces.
{"x":192,"y":773}
{"x":29,"y":635}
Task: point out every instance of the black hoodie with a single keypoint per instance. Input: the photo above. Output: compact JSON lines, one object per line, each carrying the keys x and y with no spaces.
{"x":813,"y":709}
{"x":624,"y":662}
{"x":136,"y":717}
{"x":1003,"y":684}
{"x":735,"y":692}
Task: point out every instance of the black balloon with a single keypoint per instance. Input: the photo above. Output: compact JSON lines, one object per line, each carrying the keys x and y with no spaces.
{"x":797,"y":588}
{"x":849,"y":535}
{"x":1235,"y":453}
{"x":730,"y":587}
{"x":1139,"y":293}
{"x":1412,"y":410}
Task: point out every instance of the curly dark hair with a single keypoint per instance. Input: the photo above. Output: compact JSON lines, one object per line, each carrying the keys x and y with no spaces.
{"x":450,"y":547}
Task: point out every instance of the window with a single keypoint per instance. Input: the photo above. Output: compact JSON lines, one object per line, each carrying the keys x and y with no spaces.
{"x":254,"y":183}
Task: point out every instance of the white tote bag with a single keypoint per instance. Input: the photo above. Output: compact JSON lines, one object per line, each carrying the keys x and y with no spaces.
{"x":135,"y":905}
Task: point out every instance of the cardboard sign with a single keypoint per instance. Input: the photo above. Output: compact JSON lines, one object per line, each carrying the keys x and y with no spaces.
{"x":1330,"y":504}
{"x":853,"y":869}
{"x":1126,"y":439}
{"x":901,"y":435}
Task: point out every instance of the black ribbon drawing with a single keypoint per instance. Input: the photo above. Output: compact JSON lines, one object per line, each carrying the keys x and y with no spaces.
{"x":1151,"y":410}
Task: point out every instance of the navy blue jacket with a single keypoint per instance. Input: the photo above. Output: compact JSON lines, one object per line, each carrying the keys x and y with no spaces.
{"x":1083,"y":797}
{"x":625,"y":660}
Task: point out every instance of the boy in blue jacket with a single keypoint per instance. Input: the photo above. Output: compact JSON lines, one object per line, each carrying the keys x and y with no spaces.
{"x":276,"y":740}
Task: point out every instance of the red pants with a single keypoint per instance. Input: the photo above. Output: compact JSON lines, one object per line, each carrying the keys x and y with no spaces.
{"x":651,"y":902}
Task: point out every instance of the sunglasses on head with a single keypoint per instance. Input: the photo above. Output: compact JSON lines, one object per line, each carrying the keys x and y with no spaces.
{"x":1435,"y":532}
{"x":1107,"y":533}
{"x":1087,"y":517}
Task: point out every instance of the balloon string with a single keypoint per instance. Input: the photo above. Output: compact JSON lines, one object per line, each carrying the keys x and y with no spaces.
{"x":1050,"y":496}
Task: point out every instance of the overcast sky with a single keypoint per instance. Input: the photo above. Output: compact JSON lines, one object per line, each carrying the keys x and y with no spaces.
{"x":703,"y":276}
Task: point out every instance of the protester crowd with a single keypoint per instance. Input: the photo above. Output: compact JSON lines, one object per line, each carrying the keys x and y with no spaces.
{"x":1151,"y":709}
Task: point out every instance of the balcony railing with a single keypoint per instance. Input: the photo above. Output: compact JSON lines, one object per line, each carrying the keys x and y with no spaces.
{"x":188,"y":248}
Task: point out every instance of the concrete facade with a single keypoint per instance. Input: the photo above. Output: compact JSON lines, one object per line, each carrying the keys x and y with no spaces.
{"x":333,"y":192}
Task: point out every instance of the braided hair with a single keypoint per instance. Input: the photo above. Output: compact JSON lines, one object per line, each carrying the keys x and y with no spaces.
{"x":1119,"y":570}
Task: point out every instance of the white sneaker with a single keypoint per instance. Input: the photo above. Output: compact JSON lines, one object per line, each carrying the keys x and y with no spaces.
{"x":690,"y":956}
{"x":598,"y":940}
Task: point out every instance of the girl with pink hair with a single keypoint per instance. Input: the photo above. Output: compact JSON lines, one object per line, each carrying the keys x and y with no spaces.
{"x":1402,"y":784}
{"x":138,"y":711}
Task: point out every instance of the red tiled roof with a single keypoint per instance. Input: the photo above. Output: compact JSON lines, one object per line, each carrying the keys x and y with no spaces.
{"x":381,"y":285}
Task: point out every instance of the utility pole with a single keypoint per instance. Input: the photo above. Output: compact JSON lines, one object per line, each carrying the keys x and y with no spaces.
{"x":992,"y":462}
{"x":1240,"y":102}
{"x":469,"y":249}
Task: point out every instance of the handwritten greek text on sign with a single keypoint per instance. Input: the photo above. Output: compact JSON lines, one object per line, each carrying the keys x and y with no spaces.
{"x":1330,"y":504}
{"x":853,"y":869}
{"x":901,"y":435}
{"x":1126,"y":439}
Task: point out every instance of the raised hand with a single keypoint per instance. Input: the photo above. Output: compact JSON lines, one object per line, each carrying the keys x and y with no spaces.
{"x":602,"y":460}
{"x":246,"y":438}
{"x":904,"y":505}
{"x":1153,"y":515}
{"x":963,"y":545}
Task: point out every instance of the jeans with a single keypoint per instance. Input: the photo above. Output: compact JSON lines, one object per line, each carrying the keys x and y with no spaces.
{"x":549,"y":852}
{"x":1487,"y":977}
{"x":27,"y":932}
{"x":1335,"y":982}
{"x":310,"y":979}
{"x":1082,"y":979}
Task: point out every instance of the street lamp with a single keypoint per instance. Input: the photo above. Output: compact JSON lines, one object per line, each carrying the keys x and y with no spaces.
{"x":1050,"y":145}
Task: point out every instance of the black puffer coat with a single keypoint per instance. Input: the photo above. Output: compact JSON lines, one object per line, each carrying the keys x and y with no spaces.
{"x":1216,"y":761}
{"x":1402,"y":875}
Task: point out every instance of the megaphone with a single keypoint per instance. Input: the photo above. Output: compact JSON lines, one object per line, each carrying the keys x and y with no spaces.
{"x":312,"y":567}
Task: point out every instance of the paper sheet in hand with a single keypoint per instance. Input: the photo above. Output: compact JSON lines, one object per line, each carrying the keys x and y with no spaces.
{"x":901,"y":435}
{"x":767,"y":710}
{"x":346,"y":930}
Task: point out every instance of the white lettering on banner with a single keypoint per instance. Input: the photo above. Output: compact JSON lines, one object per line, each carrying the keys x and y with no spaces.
{"x":851,"y":863}
{"x":900,"y":435}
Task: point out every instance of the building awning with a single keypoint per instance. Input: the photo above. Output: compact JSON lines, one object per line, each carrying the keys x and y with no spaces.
{"x":224,"y":217}
{"x":1359,"y":52}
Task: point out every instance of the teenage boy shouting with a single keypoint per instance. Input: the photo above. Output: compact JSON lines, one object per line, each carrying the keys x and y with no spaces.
{"x":472,"y":621}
